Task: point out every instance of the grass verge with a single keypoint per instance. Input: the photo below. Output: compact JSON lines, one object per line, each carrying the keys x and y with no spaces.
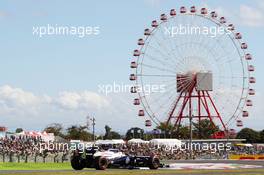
{"x":35,"y":166}
{"x":65,"y":169}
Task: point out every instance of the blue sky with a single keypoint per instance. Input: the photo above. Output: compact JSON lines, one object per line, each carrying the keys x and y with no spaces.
{"x":50,"y":66}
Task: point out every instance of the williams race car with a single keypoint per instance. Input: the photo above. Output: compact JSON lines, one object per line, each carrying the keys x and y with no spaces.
{"x":112,"y":158}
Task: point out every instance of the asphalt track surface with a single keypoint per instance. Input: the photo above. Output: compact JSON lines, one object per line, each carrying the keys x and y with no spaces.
{"x":177,"y":172}
{"x":244,"y":162}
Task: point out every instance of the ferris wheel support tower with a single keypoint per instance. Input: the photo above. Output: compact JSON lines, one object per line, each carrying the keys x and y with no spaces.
{"x":193,"y":88}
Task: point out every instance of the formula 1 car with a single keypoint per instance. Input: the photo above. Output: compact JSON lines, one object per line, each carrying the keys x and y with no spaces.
{"x":112,"y":158}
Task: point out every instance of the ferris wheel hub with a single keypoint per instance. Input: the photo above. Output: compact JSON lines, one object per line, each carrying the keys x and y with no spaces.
{"x":202,"y":81}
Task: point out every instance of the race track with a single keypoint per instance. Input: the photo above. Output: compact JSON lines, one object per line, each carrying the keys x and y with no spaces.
{"x":196,"y":167}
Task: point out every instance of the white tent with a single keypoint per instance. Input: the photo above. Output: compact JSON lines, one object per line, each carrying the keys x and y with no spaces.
{"x":166,"y":142}
{"x":2,"y":134}
{"x":110,"y":142}
{"x":44,"y":135}
{"x":137,"y":141}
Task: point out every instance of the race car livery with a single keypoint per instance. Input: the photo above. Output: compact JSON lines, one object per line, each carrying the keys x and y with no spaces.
{"x":112,"y":158}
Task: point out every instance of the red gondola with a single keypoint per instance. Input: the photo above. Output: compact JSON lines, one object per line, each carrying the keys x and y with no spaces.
{"x":204,"y":11}
{"x":183,"y":9}
{"x":133,"y":89}
{"x":148,"y":123}
{"x":222,"y":20}
{"x":239,"y":123}
{"x":213,"y":14}
{"x":245,"y":114}
{"x":133,"y":65}
{"x":238,"y":36}
{"x":173,"y":12}
{"x":163,"y":17}
{"x":154,"y":23}
{"x":193,"y":9}
{"x":251,"y":92}
{"x":248,"y":56}
{"x":252,"y":80}
{"x":136,"y":101}
{"x":251,"y":68}
{"x":232,"y":132}
{"x":231,"y":27}
{"x":244,"y":46}
{"x":136,"y":52}
{"x":147,"y":32}
{"x":141,"y":112}
{"x":249,"y":103}
{"x":132,"y":77}
{"x":141,"y":42}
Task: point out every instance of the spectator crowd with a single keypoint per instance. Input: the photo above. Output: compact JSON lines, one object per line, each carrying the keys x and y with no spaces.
{"x":24,"y":149}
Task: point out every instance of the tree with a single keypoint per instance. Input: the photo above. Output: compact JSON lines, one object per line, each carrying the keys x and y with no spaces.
{"x":182,"y":132}
{"x":204,"y":129}
{"x":261,"y":135}
{"x":249,"y":134}
{"x":167,"y":130}
{"x":164,"y":127}
{"x":100,"y":137}
{"x":55,"y":128}
{"x":18,"y":130}
{"x":115,"y":135}
{"x":76,"y":132}
{"x":109,"y":134}
{"x":134,"y":132}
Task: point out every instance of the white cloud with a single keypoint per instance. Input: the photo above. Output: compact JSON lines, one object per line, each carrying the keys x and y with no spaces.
{"x":4,"y":14}
{"x":81,"y":100}
{"x":15,"y":97}
{"x":20,"y":108}
{"x":69,"y":100}
{"x":252,"y":16}
{"x":19,"y":101}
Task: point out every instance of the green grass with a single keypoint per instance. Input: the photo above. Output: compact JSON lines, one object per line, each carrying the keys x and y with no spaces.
{"x":34,"y":166}
{"x":148,"y":172}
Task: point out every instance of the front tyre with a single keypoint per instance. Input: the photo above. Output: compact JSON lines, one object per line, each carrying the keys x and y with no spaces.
{"x":101,"y":163}
{"x":77,"y":163}
{"x":154,"y":163}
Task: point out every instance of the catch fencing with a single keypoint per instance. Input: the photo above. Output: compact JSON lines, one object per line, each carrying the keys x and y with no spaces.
{"x":37,"y":158}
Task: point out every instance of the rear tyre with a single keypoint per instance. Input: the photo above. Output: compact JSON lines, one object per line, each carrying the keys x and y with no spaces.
{"x":77,"y":163}
{"x":154,"y":163}
{"x":101,"y":163}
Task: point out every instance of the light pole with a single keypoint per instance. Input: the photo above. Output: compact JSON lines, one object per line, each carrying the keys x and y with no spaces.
{"x":139,"y":133}
{"x":93,"y":124}
{"x":190,"y":141}
{"x":133,"y":133}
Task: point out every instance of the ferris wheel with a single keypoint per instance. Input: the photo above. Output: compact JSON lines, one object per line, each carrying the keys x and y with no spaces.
{"x":192,"y":63}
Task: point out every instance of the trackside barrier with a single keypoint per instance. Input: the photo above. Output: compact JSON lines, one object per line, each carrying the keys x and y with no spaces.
{"x":56,"y":158}
{"x":246,"y":157}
